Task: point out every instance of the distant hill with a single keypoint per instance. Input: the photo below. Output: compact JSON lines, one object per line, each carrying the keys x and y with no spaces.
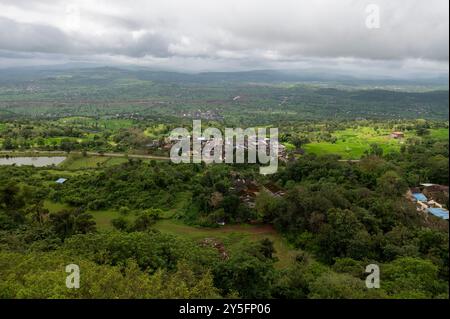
{"x":330,"y":77}
{"x":264,"y":96}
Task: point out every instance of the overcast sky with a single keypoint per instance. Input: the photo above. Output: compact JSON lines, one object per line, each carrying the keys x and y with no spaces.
{"x":212,"y":35}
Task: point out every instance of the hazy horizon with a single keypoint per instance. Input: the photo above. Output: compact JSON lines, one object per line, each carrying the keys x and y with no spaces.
{"x":410,"y":40}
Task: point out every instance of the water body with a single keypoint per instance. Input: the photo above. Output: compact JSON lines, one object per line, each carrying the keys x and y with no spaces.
{"x":40,"y":161}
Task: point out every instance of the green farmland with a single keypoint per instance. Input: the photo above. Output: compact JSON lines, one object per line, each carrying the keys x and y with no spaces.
{"x":353,"y":143}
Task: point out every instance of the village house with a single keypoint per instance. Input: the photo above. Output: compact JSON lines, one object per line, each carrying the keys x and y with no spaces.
{"x":274,"y":190}
{"x":397,"y":135}
{"x":428,"y":205}
{"x":60,"y":180}
{"x":246,"y":189}
{"x":282,"y":153}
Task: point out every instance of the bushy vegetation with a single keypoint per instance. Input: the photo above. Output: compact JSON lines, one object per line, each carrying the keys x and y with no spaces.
{"x":339,"y":217}
{"x":145,"y":228}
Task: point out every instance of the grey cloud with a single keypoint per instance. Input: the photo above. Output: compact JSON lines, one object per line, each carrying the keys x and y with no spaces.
{"x":27,"y":37}
{"x":232,"y":33}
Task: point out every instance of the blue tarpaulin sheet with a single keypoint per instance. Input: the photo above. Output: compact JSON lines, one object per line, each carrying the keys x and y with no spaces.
{"x":439,"y":212}
{"x":420,"y":197}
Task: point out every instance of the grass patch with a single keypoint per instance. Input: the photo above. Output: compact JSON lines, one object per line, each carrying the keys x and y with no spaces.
{"x":345,"y":150}
{"x":55,"y":207}
{"x":439,"y":133}
{"x":75,"y":162}
{"x":112,"y":161}
{"x":103,"y":218}
{"x":155,"y":131}
{"x":289,"y":146}
{"x":232,"y":235}
{"x":352,"y":143}
{"x":79,"y":162}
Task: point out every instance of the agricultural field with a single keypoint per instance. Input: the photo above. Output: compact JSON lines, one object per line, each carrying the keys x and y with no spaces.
{"x":75,"y":162}
{"x":353,"y":143}
{"x":441,"y":134}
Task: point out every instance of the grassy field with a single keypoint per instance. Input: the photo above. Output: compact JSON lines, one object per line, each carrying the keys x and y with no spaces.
{"x":76,"y":162}
{"x":103,"y":218}
{"x":232,"y":235}
{"x":346,"y":150}
{"x":440,"y":133}
{"x":352,"y":143}
{"x":229,"y":235}
{"x":55,"y":207}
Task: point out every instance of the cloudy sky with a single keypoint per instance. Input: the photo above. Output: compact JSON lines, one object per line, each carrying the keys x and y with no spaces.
{"x":410,"y":37}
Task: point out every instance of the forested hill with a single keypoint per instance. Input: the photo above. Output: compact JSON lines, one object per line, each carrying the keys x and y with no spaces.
{"x":249,"y":96}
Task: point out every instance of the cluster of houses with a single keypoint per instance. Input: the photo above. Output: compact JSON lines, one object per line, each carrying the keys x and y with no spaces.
{"x":282,"y":153}
{"x":204,"y":115}
{"x":425,"y":196}
{"x":248,"y":190}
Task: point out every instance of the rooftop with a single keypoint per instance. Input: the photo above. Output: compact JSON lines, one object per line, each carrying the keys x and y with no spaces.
{"x":61,"y":180}
{"x":420,"y":197}
{"x":439,"y":212}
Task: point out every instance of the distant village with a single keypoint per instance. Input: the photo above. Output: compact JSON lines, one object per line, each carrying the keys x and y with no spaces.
{"x":166,"y":144}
